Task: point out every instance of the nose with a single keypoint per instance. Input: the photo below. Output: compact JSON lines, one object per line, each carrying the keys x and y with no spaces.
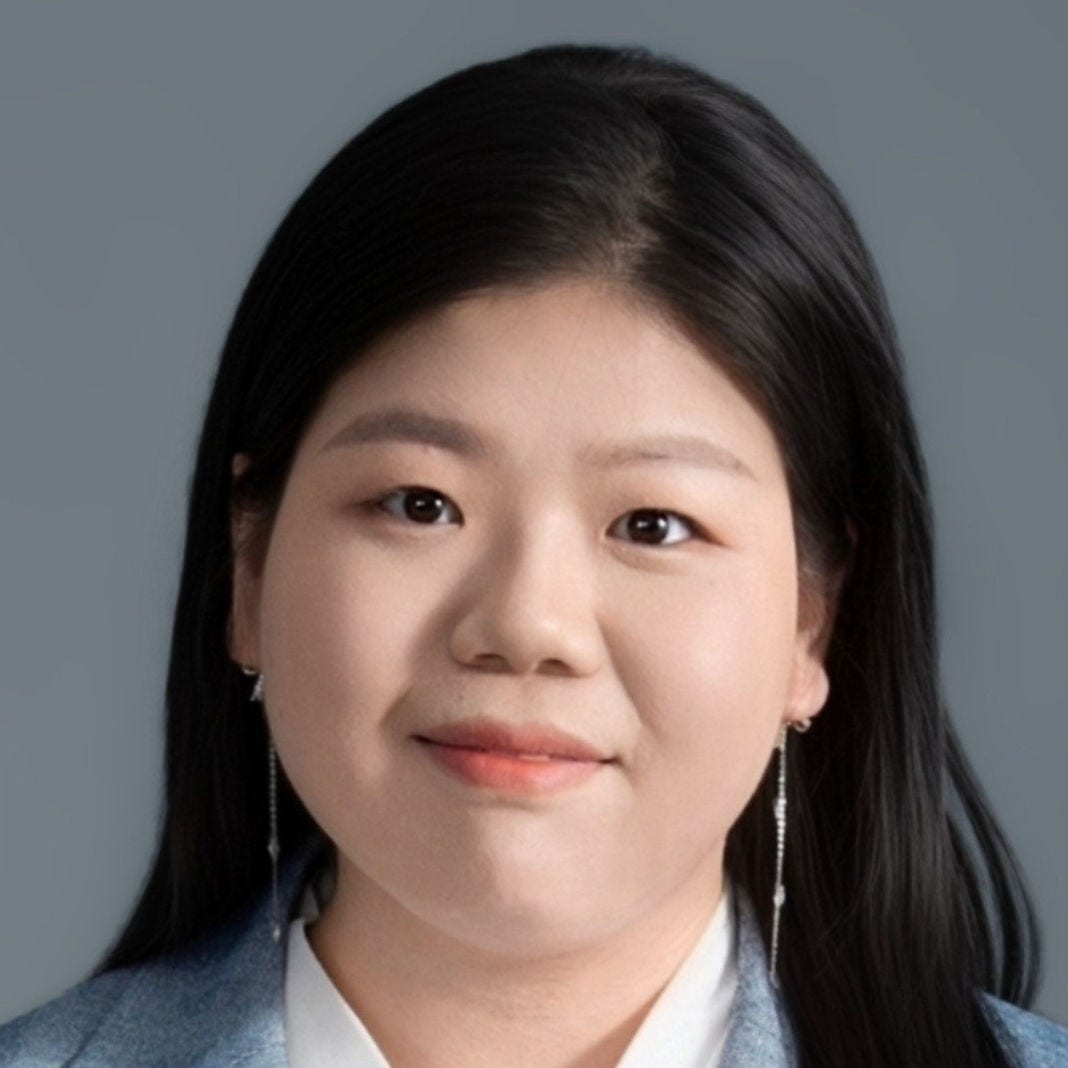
{"x":530,"y":605}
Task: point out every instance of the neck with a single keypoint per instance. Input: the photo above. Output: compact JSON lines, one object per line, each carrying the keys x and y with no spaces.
{"x":442,"y":994}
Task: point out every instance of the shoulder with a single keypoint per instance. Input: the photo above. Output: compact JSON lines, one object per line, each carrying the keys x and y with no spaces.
{"x":172,"y":1010}
{"x":217,"y":999}
{"x":1042,"y":1042}
{"x":130,"y":1014}
{"x":54,"y":1032}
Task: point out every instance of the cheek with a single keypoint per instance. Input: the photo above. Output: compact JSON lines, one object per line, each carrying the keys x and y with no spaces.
{"x":337,"y":655}
{"x":708,"y":673}
{"x":713,"y":648}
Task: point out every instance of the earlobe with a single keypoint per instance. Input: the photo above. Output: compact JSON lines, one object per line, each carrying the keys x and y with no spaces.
{"x":239,"y":626}
{"x":239,"y":462}
{"x":243,"y":593}
{"x":811,"y":686}
{"x":819,"y":690}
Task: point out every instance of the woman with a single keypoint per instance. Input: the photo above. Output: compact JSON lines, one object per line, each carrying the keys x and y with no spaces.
{"x":559,"y":466}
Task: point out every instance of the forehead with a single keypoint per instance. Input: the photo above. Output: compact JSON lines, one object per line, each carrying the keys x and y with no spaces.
{"x":565,"y":366}
{"x":579,"y":329}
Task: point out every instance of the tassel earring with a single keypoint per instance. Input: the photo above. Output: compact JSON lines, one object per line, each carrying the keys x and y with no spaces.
{"x":272,"y":798}
{"x":779,"y":808}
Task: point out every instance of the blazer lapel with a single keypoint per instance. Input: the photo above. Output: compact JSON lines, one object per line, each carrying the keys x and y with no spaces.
{"x":758,"y":1029}
{"x":219,"y":1001}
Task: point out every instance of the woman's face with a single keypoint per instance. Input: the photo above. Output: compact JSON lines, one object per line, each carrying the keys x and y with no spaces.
{"x":523,"y":587}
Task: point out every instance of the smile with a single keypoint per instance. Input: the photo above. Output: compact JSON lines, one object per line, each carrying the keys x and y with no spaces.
{"x":526,"y":773}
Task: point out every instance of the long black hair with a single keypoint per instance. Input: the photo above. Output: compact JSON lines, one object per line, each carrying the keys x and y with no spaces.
{"x":624,"y":165}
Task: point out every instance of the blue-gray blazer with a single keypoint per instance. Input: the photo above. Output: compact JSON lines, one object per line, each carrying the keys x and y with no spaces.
{"x":220,"y":1001}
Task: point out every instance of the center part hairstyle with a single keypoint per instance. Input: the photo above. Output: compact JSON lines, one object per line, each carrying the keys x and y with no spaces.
{"x":684,"y":193}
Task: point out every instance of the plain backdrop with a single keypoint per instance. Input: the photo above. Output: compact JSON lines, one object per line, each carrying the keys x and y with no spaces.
{"x":147,"y":152}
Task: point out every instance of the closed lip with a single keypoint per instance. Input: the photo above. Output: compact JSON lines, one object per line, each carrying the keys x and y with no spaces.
{"x":539,"y":739}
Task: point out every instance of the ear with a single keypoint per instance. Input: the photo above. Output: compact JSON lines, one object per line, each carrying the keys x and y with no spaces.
{"x":242,"y":630}
{"x":809,"y":683}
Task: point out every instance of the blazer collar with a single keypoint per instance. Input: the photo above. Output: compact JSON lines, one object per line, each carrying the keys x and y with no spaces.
{"x":221,"y":1000}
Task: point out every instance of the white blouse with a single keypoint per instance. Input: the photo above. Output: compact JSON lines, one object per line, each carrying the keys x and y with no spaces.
{"x":685,"y":1027}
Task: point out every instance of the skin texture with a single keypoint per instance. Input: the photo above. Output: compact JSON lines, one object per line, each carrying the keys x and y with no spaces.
{"x":476,"y":927}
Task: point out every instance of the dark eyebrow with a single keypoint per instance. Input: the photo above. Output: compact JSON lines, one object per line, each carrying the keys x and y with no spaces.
{"x":412,"y":425}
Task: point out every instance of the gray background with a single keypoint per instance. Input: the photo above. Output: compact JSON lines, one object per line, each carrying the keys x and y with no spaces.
{"x":148,"y":151}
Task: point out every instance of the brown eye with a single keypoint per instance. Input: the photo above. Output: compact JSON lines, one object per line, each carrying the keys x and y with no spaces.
{"x":423,"y":506}
{"x":420,"y":505}
{"x":648,"y":525}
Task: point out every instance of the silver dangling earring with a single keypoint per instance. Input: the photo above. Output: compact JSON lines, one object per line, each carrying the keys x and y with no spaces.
{"x":257,"y":690}
{"x":779,"y":808}
{"x":272,"y":797}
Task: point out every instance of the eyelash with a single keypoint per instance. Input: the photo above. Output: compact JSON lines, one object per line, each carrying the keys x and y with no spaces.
{"x":377,"y":505}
